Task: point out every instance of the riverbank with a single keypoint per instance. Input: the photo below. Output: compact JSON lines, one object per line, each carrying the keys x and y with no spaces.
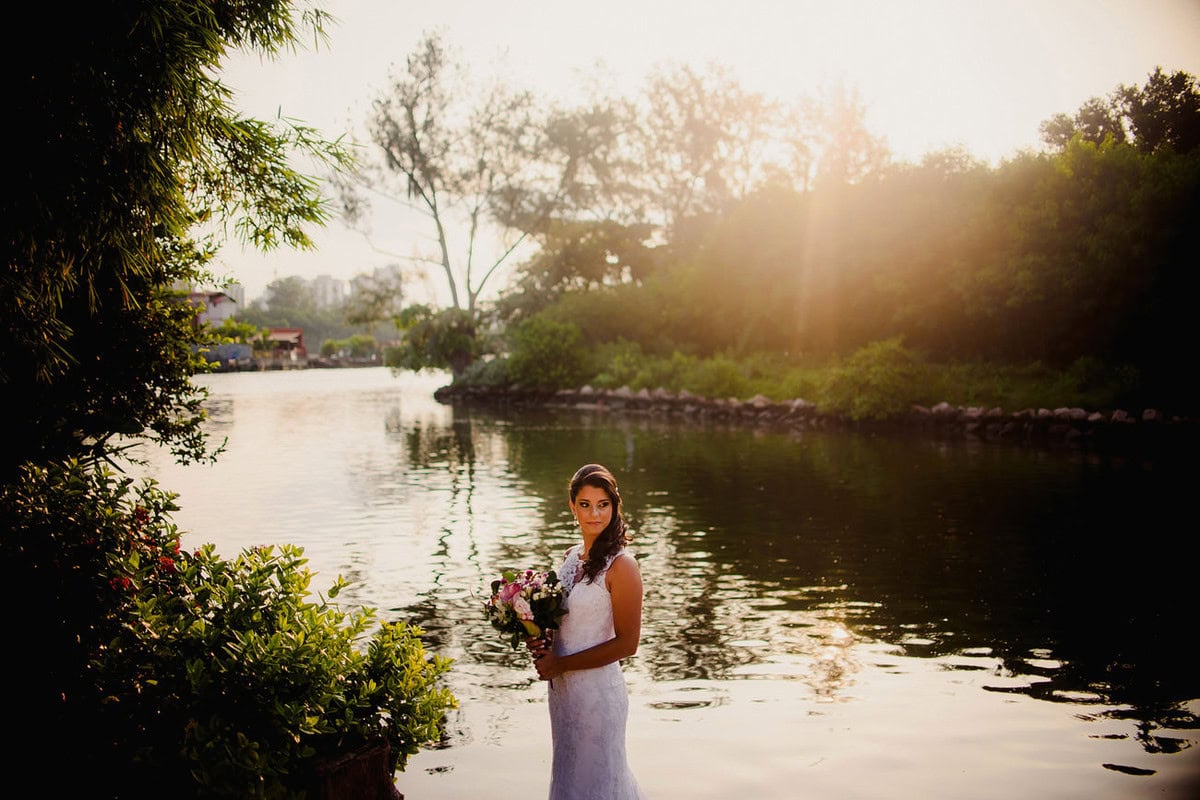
{"x":1118,"y":430}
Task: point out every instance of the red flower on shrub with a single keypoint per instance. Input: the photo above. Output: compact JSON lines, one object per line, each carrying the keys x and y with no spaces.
{"x":120,"y":583}
{"x":166,"y":563}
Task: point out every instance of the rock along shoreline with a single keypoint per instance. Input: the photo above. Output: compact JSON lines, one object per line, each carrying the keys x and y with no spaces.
{"x":1148,"y":431}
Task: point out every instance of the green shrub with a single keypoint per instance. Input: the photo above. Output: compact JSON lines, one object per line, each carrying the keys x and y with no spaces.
{"x":216,"y":678}
{"x":795,"y":382}
{"x":1097,"y":384}
{"x":615,"y":364}
{"x":489,"y":372}
{"x":878,"y":381}
{"x":717,"y":377}
{"x":547,"y":354}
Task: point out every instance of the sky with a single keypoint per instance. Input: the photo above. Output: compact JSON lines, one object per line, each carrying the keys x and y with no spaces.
{"x":931,"y":73}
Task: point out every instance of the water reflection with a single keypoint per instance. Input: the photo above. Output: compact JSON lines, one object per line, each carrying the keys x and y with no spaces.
{"x":803,"y":544}
{"x":825,"y":562}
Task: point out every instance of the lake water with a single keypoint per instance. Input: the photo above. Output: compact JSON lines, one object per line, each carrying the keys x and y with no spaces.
{"x":827,"y":615}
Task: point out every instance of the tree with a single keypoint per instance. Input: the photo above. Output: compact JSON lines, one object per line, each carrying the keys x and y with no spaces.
{"x":129,"y":145}
{"x":292,"y":302}
{"x":547,"y":354}
{"x":1164,"y":113}
{"x":702,"y":142}
{"x":377,"y":296}
{"x":133,"y":169}
{"x":846,"y":150}
{"x":450,"y":160}
{"x":577,"y":256}
{"x":491,"y":174}
{"x":231,"y":330}
{"x":435,"y":338}
{"x":291,"y":293}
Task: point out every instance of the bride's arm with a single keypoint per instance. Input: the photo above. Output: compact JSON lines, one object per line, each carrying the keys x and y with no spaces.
{"x":624,"y":581}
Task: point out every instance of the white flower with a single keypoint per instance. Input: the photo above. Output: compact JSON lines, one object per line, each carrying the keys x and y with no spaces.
{"x":521,"y":606}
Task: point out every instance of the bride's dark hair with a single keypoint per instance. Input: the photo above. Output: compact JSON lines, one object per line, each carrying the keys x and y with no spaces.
{"x":616,"y":535}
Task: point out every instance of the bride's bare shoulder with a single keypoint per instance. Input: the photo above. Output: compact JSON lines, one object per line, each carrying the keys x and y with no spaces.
{"x":625,"y":563}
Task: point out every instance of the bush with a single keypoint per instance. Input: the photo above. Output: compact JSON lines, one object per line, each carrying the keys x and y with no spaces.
{"x":216,"y":678}
{"x":547,"y":354}
{"x":716,"y":377}
{"x":490,"y":372}
{"x":878,"y":381}
{"x":616,"y":364}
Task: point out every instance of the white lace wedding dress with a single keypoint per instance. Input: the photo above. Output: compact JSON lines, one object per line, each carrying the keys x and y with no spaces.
{"x":588,"y":707}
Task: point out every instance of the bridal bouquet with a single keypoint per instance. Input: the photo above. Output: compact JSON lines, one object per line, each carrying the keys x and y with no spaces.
{"x":525,"y":604}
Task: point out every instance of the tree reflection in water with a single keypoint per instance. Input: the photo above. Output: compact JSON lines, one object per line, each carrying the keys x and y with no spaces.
{"x":777,"y":555}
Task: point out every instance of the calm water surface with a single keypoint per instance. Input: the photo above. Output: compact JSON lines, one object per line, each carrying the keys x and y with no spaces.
{"x":826,"y":615}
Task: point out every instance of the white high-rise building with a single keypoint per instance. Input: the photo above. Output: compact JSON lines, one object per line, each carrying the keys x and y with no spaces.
{"x":328,"y":292}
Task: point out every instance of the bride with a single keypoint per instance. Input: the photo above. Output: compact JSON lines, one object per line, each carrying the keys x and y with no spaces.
{"x":587,"y":695}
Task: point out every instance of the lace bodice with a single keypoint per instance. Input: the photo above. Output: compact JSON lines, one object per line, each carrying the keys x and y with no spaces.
{"x":589,"y":607}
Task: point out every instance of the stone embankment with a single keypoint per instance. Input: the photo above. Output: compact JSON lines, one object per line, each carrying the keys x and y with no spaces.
{"x":1110,"y":430}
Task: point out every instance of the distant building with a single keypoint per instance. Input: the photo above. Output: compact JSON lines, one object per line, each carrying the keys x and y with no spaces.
{"x":383,"y":288}
{"x":328,"y":292}
{"x":212,"y":308}
{"x":288,"y":345}
{"x":237,"y":292}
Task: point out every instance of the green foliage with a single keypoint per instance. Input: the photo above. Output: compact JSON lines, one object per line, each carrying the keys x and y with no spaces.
{"x":218,"y":678}
{"x":546,"y":354}
{"x":131,"y":151}
{"x":358,"y":346}
{"x":614,"y":364}
{"x":63,"y":528}
{"x":879,"y":381}
{"x":1163,"y":114}
{"x":252,"y":679}
{"x":232,"y":330}
{"x":434,"y":339}
{"x":1097,"y":384}
{"x":167,"y":673}
{"x":1050,"y":258}
{"x":292,"y":302}
{"x":721,"y":376}
{"x":491,"y":372}
{"x":578,"y":255}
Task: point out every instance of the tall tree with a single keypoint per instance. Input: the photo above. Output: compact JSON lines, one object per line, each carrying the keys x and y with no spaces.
{"x":129,"y":143}
{"x":130,"y":149}
{"x":846,"y":150}
{"x":448,"y":153}
{"x":489,"y":172}
{"x":1163,"y":113}
{"x":703,"y":142}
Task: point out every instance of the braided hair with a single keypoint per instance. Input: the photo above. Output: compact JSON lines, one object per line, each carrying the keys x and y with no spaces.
{"x":616,"y":534}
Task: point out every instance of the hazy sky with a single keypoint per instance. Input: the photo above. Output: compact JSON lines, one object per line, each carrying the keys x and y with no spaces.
{"x":932,"y":73}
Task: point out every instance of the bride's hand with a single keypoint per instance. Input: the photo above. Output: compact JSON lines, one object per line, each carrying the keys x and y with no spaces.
{"x":547,"y":665}
{"x":537,"y":646}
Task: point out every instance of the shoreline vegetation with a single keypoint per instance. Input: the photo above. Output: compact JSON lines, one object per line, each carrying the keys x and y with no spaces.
{"x":883,"y":388}
{"x":1148,"y":431}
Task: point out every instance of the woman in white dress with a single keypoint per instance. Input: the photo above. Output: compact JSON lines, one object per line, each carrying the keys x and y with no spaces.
{"x":588,"y":699}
